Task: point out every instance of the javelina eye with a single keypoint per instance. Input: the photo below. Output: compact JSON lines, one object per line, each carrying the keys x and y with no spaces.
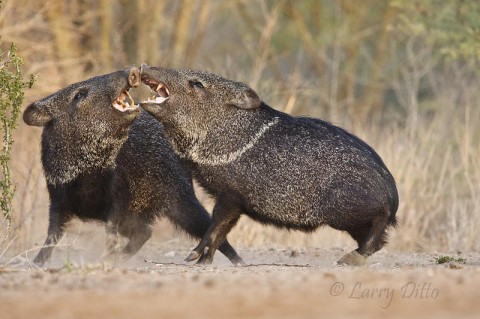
{"x":80,"y":95}
{"x":196,"y":84}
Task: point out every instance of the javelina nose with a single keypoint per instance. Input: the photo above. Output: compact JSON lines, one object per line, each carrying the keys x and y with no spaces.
{"x":134,"y":77}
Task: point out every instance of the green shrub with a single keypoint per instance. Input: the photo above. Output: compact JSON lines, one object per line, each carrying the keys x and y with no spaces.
{"x":12,"y":88}
{"x":449,"y":259}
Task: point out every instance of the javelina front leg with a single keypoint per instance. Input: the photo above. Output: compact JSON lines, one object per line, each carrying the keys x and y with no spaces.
{"x":224,"y":217}
{"x":190,"y":215}
{"x":55,"y":232}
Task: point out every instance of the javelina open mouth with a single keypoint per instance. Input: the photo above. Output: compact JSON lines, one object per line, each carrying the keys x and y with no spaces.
{"x":160,"y":89}
{"x":121,"y":105}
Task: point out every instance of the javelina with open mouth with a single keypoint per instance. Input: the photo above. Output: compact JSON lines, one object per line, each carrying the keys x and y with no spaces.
{"x":292,"y":172}
{"x":105,"y":160}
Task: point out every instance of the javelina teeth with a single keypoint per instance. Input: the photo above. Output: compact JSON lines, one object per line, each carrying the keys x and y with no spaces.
{"x":132,"y":102}
{"x":162,"y":90}
{"x":122,"y":105}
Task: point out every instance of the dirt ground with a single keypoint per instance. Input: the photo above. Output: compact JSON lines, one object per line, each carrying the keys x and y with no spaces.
{"x":277,"y":283}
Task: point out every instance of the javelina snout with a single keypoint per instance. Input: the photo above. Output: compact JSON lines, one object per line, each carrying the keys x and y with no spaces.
{"x":104,"y":160}
{"x":292,"y":172}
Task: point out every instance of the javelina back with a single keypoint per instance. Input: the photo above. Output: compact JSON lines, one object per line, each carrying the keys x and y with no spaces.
{"x":104,"y":160}
{"x":293,"y":172}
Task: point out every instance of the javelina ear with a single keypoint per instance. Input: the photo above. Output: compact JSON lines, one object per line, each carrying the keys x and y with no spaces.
{"x":37,"y":114}
{"x":246,"y":99}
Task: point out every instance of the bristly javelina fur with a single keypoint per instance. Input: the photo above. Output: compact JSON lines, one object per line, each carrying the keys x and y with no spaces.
{"x":293,"y":172}
{"x":104,"y":160}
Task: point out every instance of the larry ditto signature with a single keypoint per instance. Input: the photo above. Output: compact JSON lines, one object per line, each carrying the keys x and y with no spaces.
{"x":410,"y":290}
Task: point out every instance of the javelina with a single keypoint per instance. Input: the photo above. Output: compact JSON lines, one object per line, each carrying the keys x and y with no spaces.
{"x":104,"y":160}
{"x":292,"y":172}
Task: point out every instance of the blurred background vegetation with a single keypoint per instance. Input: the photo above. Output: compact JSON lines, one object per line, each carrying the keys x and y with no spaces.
{"x":401,"y":74}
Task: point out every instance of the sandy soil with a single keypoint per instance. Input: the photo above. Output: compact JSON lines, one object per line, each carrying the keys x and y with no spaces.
{"x":277,"y":283}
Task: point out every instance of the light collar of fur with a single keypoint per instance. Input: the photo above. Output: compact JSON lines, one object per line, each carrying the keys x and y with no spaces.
{"x":195,"y":154}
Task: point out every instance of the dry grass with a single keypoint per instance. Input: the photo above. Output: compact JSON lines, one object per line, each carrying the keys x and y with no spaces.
{"x":431,"y":145}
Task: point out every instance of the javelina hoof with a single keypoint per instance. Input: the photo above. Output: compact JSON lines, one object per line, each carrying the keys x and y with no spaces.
{"x":194,"y":255}
{"x":238,"y":262}
{"x":353,"y":259}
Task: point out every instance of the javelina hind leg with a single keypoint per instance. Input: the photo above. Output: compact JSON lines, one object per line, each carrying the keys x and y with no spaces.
{"x":134,"y":229}
{"x":224,"y":217}
{"x":369,"y":241}
{"x":137,"y":230}
{"x":55,"y":232}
